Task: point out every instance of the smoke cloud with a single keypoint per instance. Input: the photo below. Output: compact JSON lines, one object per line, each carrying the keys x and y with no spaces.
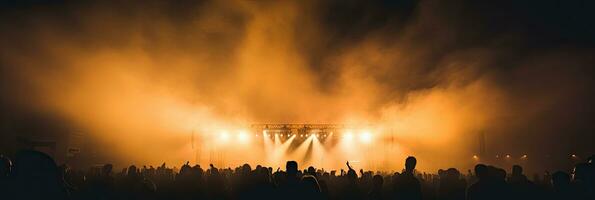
{"x":140,"y":78}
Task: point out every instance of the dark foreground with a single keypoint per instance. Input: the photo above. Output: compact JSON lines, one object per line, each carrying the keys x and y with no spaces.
{"x":34,"y":175}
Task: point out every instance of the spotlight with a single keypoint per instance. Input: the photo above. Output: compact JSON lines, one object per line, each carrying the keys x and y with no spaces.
{"x":348,"y":136}
{"x":242,"y":136}
{"x":507,"y":155}
{"x":276,"y":134}
{"x":302,"y":135}
{"x":224,"y":136}
{"x":524,"y":156}
{"x":365,"y":137}
{"x":475,"y":157}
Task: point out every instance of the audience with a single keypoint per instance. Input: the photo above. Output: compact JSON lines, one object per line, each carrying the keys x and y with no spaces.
{"x":34,"y":175}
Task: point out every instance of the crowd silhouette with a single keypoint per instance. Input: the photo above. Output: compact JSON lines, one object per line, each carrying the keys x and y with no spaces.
{"x":35,"y":175}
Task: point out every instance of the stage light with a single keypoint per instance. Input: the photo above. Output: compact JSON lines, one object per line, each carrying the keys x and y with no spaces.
{"x":224,"y":136}
{"x":524,"y":156}
{"x":302,"y":135}
{"x":365,"y":137}
{"x":348,"y":136}
{"x":276,"y":134}
{"x":242,"y":136}
{"x":475,"y":157}
{"x":507,"y":155}
{"x":573,"y":156}
{"x":317,"y":135}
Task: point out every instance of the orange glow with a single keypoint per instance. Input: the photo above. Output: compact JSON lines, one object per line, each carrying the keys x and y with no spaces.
{"x":145,"y":94}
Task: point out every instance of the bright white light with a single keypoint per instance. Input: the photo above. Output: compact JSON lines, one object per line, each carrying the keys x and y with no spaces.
{"x":348,"y":136}
{"x":365,"y":137}
{"x":242,"y":136}
{"x":224,"y":136}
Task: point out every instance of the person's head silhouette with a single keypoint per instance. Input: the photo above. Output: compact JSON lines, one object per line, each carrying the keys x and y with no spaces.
{"x":132,"y":171}
{"x":291,"y":168}
{"x":246,"y":169}
{"x":311,"y":171}
{"x":560,"y":179}
{"x":37,"y":176}
{"x":497,"y":173}
{"x":481,"y":171}
{"x":377,"y":181}
{"x":517,"y":170}
{"x":311,"y":183}
{"x":410,"y":163}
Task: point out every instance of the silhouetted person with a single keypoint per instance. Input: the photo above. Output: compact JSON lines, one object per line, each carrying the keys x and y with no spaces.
{"x":581,"y":181}
{"x":311,"y":171}
{"x":406,"y":186}
{"x":311,"y":188}
{"x":491,"y":184}
{"x":480,"y":189}
{"x":521,"y":187}
{"x":36,"y":176}
{"x":291,"y":168}
{"x":291,"y":188}
{"x":561,"y":186}
{"x":216,"y":184}
{"x":188,"y":182}
{"x":376,"y":191}
{"x":348,"y":187}
{"x":451,"y":186}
